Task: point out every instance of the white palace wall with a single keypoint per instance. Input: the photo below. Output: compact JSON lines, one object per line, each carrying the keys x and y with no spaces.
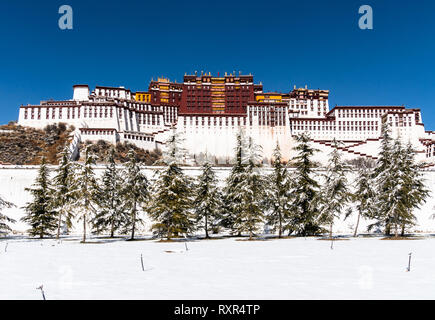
{"x":202,"y":135}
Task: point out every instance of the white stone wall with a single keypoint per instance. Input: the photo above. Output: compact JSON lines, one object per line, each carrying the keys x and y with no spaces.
{"x":81,"y":93}
{"x":203,"y":135}
{"x":94,"y":136}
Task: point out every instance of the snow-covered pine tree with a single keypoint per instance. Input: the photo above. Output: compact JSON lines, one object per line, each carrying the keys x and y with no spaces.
{"x":364,"y":195}
{"x":111,"y":212}
{"x":232,"y":192}
{"x":175,"y":151}
{"x":171,"y":206}
{"x":208,"y":198}
{"x":135,"y":194}
{"x":334,"y":194}
{"x":414,"y":191}
{"x":253,"y":192}
{"x":391,"y":197}
{"x":396,"y":207}
{"x":39,"y":213}
{"x":383,"y":182}
{"x":63,"y":191}
{"x":86,"y":186}
{"x":304,"y":215}
{"x":278,"y":193}
{"x":4,"y":227}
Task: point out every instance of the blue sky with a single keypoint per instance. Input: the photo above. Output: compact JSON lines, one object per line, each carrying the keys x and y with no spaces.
{"x":283,"y":43}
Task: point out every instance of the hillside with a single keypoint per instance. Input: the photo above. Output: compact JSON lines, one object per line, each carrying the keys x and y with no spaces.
{"x":25,"y":146}
{"x":101,"y":150}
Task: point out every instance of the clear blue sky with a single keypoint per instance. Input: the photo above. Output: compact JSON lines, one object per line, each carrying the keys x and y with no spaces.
{"x":283,"y":43}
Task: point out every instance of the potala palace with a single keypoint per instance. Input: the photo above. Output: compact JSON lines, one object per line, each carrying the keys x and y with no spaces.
{"x":209,"y":111}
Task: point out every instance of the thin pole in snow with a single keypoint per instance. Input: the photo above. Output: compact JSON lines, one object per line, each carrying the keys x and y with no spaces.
{"x":42,"y":291}
{"x":409,"y":262}
{"x":141,"y":260}
{"x":6,"y":247}
{"x":332,"y":243}
{"x":185,"y":244}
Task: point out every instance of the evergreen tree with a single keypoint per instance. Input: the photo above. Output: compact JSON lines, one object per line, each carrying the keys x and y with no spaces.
{"x":208,"y":199}
{"x":136,"y":193}
{"x":383,"y":179}
{"x":232,"y":193}
{"x":63,"y":191}
{"x":392,"y":202}
{"x":111,"y":213}
{"x":175,"y":151}
{"x":334,"y":195}
{"x":413,"y":189}
{"x":172,"y":194}
{"x":278,"y":193}
{"x":253,"y":192}
{"x":364,"y":195}
{"x":3,"y":218}
{"x":86,"y":187}
{"x":304,"y":216}
{"x":39,"y":213}
{"x":400,"y":188}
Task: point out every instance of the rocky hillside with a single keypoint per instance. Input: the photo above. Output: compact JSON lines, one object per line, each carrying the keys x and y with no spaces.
{"x":102,"y":148}
{"x":26,"y":146}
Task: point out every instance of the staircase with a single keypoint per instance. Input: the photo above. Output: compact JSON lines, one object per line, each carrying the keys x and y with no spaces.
{"x":347,"y":149}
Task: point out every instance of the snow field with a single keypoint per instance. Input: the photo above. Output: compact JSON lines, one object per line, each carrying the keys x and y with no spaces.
{"x":298,"y":268}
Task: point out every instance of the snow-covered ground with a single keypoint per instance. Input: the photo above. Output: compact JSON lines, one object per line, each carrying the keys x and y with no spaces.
{"x":298,"y":268}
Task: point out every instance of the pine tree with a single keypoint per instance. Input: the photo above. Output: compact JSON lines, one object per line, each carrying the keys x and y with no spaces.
{"x":175,"y":151}
{"x":364,"y":195}
{"x":334,"y":195}
{"x":39,"y":213}
{"x":86,"y":187}
{"x":172,"y":194}
{"x":383,"y":179}
{"x":111,"y":214}
{"x":136,"y":193}
{"x":397,"y":206}
{"x":4,"y":227}
{"x":232,"y":193}
{"x":400,"y":188}
{"x":303,"y":219}
{"x":278,"y":193}
{"x":413,"y":189}
{"x":208,"y":199}
{"x":63,"y":191}
{"x":253,"y":192}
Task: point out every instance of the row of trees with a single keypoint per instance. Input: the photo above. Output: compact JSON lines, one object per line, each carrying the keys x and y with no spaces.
{"x":300,"y":201}
{"x":108,"y":204}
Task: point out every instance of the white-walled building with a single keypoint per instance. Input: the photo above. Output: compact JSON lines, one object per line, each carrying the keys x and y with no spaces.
{"x":116,"y":114}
